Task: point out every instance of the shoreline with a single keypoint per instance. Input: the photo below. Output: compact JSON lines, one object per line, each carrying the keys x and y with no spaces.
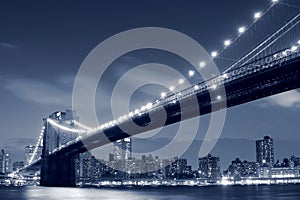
{"x":188,"y":183}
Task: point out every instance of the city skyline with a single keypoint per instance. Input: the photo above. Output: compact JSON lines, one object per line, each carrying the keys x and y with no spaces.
{"x":121,"y":151}
{"x":220,"y":150}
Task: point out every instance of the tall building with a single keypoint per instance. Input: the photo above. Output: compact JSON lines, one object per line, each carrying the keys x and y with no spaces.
{"x":5,"y":162}
{"x":122,"y":149}
{"x":241,"y":169}
{"x":265,"y":152}
{"x":209,"y":167}
{"x":2,"y":161}
{"x":18,"y":165}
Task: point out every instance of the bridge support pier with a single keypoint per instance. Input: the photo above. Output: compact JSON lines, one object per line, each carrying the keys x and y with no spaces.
{"x":58,"y":172}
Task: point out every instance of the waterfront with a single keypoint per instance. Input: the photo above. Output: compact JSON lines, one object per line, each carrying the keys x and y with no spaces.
{"x":287,"y":192}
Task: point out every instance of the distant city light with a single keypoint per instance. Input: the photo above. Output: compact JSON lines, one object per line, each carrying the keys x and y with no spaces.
{"x":227,"y":42}
{"x":242,"y":29}
{"x":298,"y":42}
{"x":191,"y":73}
{"x":274,"y":1}
{"x":214,"y":54}
{"x":181,"y":81}
{"x":214,"y":86}
{"x":219,"y":97}
{"x":257,"y":15}
{"x":196,"y":87}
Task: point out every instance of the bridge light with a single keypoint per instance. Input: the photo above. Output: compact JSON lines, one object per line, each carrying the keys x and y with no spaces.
{"x":202,"y":64}
{"x":257,"y":15}
{"x":120,"y":119}
{"x":294,"y":48}
{"x":110,"y":123}
{"x":191,"y":73}
{"x":214,"y":86}
{"x":181,"y":81}
{"x":196,"y":87}
{"x":130,"y":114}
{"x":143,"y":108}
{"x":227,"y":43}
{"x":149,"y":106}
{"x":136,"y":111}
{"x":125,"y":117}
{"x":115,"y":121}
{"x":284,"y":53}
{"x":219,"y":97}
{"x":274,"y":1}
{"x":172,"y":88}
{"x":174,"y":101}
{"x":163,"y":94}
{"x":225,"y":75}
{"x":214,"y":54}
{"x":298,"y":42}
{"x":242,"y":29}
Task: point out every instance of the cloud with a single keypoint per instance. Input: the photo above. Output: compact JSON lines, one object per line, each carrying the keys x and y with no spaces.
{"x":38,"y":91}
{"x":290,"y":99}
{"x":8,"y":45}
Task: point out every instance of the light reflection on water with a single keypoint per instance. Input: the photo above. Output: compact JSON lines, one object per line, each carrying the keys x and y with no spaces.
{"x":87,"y":193}
{"x":264,"y":192}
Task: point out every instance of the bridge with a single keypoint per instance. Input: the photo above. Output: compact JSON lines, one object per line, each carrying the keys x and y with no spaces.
{"x":271,"y":67}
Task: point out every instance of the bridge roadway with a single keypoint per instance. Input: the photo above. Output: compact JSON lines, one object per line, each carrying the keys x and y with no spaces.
{"x":248,"y":83}
{"x":247,"y":86}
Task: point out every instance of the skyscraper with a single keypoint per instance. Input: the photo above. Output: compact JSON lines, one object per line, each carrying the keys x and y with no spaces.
{"x":2,"y":161}
{"x":122,"y":149}
{"x":265,"y":152}
{"x":5,"y":162}
{"x":18,"y":165}
{"x":209,"y":167}
{"x":29,"y":150}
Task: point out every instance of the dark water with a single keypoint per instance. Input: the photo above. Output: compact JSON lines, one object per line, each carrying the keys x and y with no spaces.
{"x":285,"y":192}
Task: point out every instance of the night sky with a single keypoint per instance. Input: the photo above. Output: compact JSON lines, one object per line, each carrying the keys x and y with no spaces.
{"x":43,"y":43}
